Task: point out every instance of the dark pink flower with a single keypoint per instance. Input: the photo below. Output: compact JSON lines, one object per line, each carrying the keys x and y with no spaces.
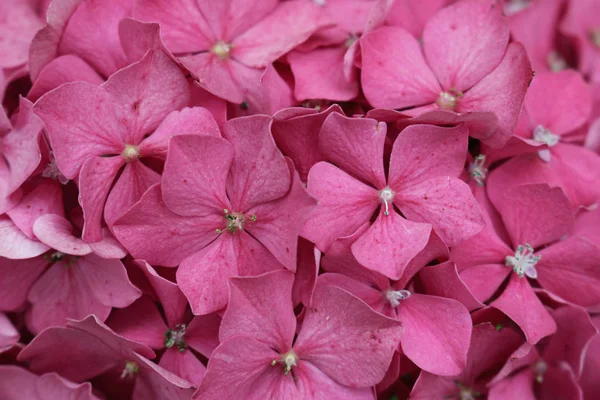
{"x":342,"y":349}
{"x":235,"y":210}
{"x":227,"y":45}
{"x":422,"y":182}
{"x":177,"y":334}
{"x":526,"y":241}
{"x":465,"y":66}
{"x":103,"y":135}
{"x":17,"y":383}
{"x":88,"y":349}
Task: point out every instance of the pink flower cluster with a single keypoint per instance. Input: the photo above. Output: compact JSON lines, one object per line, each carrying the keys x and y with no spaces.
{"x":299,"y":199}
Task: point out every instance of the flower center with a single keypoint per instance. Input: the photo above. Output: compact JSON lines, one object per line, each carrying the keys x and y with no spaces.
{"x":51,"y":171}
{"x":235,"y":221}
{"x":477,"y":170}
{"x":131,"y":152}
{"x":466,"y":393}
{"x":595,"y":37}
{"x":523,"y":262}
{"x":131,"y":369}
{"x":386,"y":196}
{"x":320,"y":2}
{"x":222,"y":49}
{"x":448,"y":100}
{"x":394,"y":296}
{"x":555,"y":61}
{"x":350,"y":41}
{"x":514,"y":6}
{"x":289,"y":360}
{"x":540,"y":368}
{"x":174,"y":337}
{"x":543,"y":135}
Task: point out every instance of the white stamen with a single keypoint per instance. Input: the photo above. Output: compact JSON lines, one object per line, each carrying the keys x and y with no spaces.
{"x":477,"y":170}
{"x":394,"y":296}
{"x":595,"y":37}
{"x":320,"y":2}
{"x":386,"y":196}
{"x":540,"y":368}
{"x":447,"y":100}
{"x":514,"y":6}
{"x":222,"y":49}
{"x":130,"y":152}
{"x":130,"y":370}
{"x":524,"y":261}
{"x":544,"y":135}
{"x":52,"y":171}
{"x":556,"y":62}
{"x":289,"y":359}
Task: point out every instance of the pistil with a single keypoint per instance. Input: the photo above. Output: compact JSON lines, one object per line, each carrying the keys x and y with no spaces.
{"x":477,"y":170}
{"x":386,"y":196}
{"x":395,"y":296}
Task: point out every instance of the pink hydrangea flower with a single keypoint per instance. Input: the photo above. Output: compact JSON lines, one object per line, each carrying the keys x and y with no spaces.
{"x":88,"y":349}
{"x":237,"y":210}
{"x":524,"y":242}
{"x":465,"y":66}
{"x":341,"y":350}
{"x":422,"y":183}
{"x":103,"y":135}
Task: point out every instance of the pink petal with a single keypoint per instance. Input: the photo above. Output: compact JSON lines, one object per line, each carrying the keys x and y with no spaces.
{"x":464,"y":42}
{"x":309,"y":258}
{"x":243,"y":365}
{"x":64,"y":69}
{"x":141,"y":322}
{"x":147,"y":92}
{"x":202,"y":333}
{"x":560,"y":383}
{"x":394,"y":72}
{"x":355,"y":146}
{"x":423,"y":152}
{"x":374,"y":297}
{"x":429,"y":386}
{"x":340,"y":333}
{"x":566,"y":112}
{"x":90,"y":286}
{"x":8,"y":334}
{"x":262,"y":43}
{"x":195,"y":185}
{"x":319,"y":74}
{"x":173,"y":237}
{"x":589,"y":383}
{"x":95,"y":181}
{"x":169,"y":295}
{"x":81,"y":122}
{"x":413,"y":17}
{"x":519,"y":386}
{"x":57,"y":232}
{"x":46,"y":197}
{"x":528,"y":312}
{"x":344,"y":204}
{"x":15,"y":244}
{"x":133,"y":182}
{"x":259,"y":172}
{"x":569,"y":269}
{"x":183,"y":364}
{"x":443,"y":280}
{"x":184,"y":26}
{"x":192,"y":121}
{"x":400,"y":240}
{"x":261,"y":308}
{"x":17,"y":279}
{"x":19,"y":25}
{"x":314,"y":384}
{"x":501,"y":92}
{"x":215,"y":75}
{"x":297,"y":136}
{"x":524,"y":356}
{"x":278,"y":223}
{"x":534,"y":214}
{"x":484,"y":280}
{"x":155,"y":381}
{"x":576,"y":168}
{"x":437,"y":333}
{"x":446,"y":203}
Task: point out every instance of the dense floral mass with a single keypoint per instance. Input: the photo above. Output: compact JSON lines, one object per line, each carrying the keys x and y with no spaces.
{"x":299,"y":199}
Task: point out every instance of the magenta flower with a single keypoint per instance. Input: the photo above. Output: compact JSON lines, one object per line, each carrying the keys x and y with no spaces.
{"x":554,"y":123}
{"x":228,"y":45}
{"x":104,"y":135}
{"x":89,"y":349}
{"x":422,"y":182}
{"x":524,"y":245}
{"x":341,"y":350}
{"x":437,"y":330}
{"x":177,"y":334}
{"x":236,"y":210}
{"x":488,"y":351}
{"x":17,"y":383}
{"x":463,"y":66}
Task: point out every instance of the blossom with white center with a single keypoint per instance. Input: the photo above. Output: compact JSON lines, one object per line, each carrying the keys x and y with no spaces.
{"x":524,"y":261}
{"x":543,"y":135}
{"x":394,"y":296}
{"x":222,"y":49}
{"x":477,"y":170}
{"x":386,"y":196}
{"x":447,"y":100}
{"x":289,"y":359}
{"x":235,"y":221}
{"x":130,"y":152}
